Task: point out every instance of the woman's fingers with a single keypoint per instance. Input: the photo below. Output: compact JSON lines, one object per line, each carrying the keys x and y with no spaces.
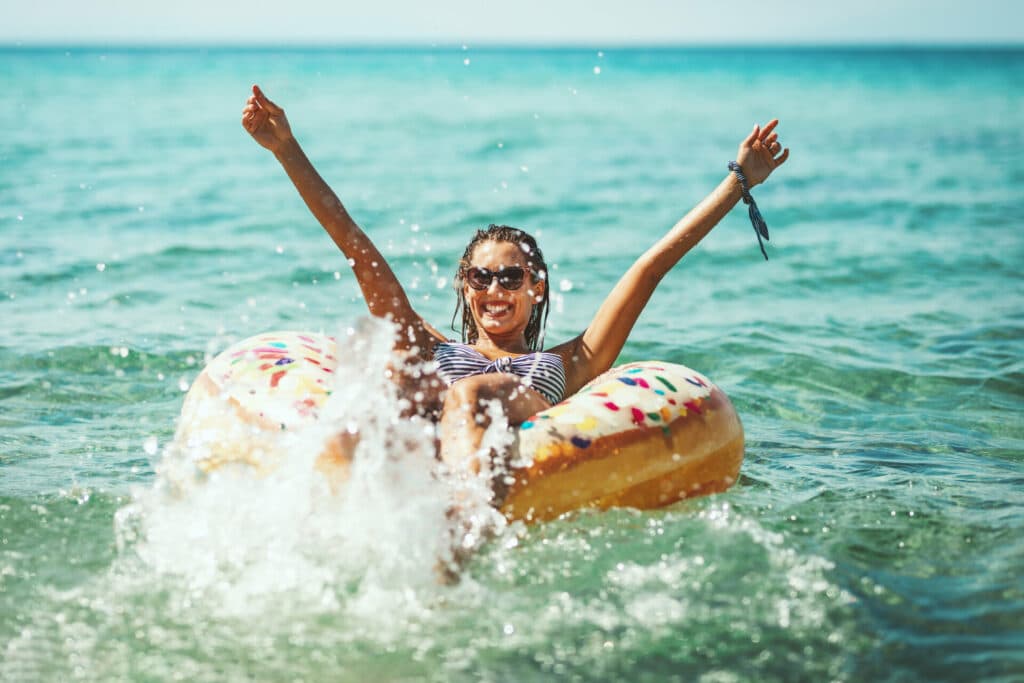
{"x":253,"y":119}
{"x":782,"y":159}
{"x":262,"y":100}
{"x":769,"y":127}
{"x":749,"y":142}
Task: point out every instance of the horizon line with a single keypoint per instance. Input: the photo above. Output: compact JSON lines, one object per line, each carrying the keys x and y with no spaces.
{"x":469,"y":45}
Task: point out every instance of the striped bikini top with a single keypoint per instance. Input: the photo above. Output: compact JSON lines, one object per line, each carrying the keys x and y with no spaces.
{"x":541,"y":371}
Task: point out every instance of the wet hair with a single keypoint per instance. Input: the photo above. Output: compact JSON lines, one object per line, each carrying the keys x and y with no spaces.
{"x":538,"y":270}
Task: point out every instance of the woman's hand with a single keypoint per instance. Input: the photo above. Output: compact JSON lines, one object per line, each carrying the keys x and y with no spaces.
{"x":265,"y":121}
{"x":761,"y":153}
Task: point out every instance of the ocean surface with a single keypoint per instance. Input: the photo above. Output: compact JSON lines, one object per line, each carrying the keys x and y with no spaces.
{"x":877,"y":362}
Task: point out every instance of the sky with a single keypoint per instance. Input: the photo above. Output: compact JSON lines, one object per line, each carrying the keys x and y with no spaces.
{"x":592,"y":23}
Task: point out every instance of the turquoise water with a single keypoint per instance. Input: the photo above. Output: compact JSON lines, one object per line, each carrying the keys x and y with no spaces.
{"x":876,"y":360}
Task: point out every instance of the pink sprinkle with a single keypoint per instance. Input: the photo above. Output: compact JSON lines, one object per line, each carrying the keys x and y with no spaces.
{"x":611,"y":406}
{"x":275,"y":378}
{"x":642,"y":382}
{"x":638,"y":416}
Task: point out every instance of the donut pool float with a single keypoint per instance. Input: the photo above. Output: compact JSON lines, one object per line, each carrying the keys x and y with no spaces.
{"x":642,"y":435}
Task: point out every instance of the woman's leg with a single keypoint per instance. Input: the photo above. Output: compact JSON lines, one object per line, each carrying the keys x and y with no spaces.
{"x":465,"y":418}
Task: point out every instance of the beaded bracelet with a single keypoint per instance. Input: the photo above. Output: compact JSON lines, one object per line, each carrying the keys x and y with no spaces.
{"x":760,"y":227}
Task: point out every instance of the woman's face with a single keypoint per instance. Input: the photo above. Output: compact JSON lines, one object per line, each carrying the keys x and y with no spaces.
{"x":501,"y":312}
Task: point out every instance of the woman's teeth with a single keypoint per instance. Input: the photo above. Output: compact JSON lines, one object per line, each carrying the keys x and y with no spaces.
{"x":496,"y":309}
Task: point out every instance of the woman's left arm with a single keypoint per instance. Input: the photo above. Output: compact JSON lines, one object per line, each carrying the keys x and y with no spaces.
{"x":594,"y":351}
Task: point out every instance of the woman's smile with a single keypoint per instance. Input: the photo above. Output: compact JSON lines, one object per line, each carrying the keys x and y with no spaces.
{"x":497,"y":309}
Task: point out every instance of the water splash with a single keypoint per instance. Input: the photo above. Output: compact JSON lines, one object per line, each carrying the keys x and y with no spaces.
{"x":241,"y":538}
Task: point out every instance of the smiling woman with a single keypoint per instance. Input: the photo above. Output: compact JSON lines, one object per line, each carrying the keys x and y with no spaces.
{"x":502,"y":290}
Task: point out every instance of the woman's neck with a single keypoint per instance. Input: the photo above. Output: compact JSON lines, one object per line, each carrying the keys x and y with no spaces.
{"x":500,"y":345}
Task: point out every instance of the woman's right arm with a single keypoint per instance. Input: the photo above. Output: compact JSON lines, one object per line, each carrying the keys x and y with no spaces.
{"x":384,"y":295}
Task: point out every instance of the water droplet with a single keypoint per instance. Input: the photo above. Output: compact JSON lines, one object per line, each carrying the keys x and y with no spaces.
{"x":466,"y":61}
{"x":565,"y":285}
{"x":20,"y":217}
{"x":524,"y":169}
{"x":101,"y":267}
{"x":150,"y":445}
{"x":597,"y":70}
{"x":508,"y":629}
{"x":183,"y":384}
{"x":160,"y":376}
{"x":415,"y":227}
{"x":337,"y":275}
{"x":279,"y":249}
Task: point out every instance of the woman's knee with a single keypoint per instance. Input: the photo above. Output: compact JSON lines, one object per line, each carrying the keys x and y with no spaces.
{"x":474,"y":394}
{"x":476,"y":390}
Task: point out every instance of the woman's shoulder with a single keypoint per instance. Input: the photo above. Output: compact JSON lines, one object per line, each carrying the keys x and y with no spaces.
{"x":576,"y":359}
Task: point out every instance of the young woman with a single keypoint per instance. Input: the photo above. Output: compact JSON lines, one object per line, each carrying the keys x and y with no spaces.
{"x":502,"y":291}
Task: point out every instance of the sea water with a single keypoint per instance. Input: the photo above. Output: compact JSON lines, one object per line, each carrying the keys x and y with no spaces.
{"x":876,"y":362}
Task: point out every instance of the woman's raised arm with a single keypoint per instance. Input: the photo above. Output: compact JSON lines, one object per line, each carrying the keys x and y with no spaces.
{"x":384,"y":295}
{"x":595,"y":350}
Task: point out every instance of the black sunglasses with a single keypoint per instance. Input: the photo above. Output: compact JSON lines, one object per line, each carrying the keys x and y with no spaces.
{"x":509,"y":278}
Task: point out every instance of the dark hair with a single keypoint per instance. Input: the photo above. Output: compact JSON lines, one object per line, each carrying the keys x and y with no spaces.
{"x":538,"y":269}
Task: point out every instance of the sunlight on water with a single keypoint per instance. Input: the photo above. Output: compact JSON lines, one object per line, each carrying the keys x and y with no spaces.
{"x":875,"y":531}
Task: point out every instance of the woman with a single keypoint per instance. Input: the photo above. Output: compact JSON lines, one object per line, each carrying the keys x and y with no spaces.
{"x":502,"y":288}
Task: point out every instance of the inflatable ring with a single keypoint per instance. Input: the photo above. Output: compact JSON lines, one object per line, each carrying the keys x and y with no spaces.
{"x":642,"y":435}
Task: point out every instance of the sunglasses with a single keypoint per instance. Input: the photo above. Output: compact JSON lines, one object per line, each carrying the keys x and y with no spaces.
{"x":510,"y":278}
